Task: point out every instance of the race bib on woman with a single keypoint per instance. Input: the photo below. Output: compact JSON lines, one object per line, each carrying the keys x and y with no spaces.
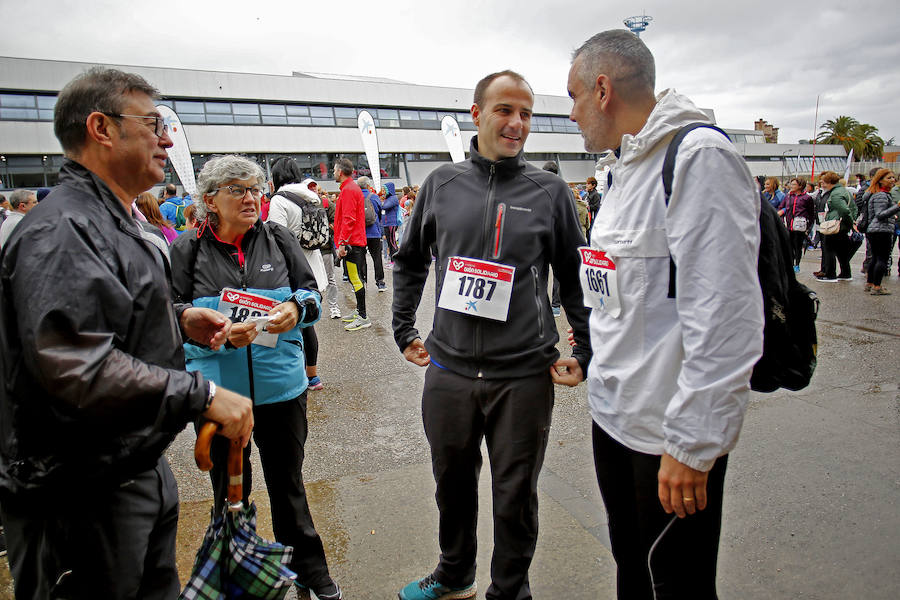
{"x":477,"y":287}
{"x":240,"y":306}
{"x":598,"y":281}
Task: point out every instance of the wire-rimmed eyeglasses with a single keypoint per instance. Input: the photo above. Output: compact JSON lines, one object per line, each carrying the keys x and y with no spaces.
{"x":239,"y":191}
{"x":160,"y":127}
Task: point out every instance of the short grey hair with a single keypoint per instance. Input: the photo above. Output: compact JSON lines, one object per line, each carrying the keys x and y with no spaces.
{"x":218,"y":171}
{"x":364,"y":182}
{"x":622,"y":56}
{"x":96,"y":90}
{"x":19,"y":197}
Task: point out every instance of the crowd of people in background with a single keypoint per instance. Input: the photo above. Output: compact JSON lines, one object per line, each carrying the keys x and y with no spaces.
{"x":840,"y":218}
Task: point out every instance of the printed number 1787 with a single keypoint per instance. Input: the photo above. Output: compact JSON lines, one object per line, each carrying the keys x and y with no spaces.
{"x":476,"y":287}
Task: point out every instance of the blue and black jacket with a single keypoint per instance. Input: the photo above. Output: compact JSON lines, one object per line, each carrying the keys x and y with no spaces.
{"x":268,"y":262}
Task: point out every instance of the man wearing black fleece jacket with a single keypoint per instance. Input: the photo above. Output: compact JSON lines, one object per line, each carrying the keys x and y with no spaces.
{"x":495,"y":225}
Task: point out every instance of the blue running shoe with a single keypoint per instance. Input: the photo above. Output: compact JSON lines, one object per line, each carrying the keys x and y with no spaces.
{"x":428,"y":588}
{"x":796,"y":268}
{"x":315,"y":383}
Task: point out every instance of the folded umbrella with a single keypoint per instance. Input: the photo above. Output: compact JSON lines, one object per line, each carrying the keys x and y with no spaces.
{"x":234,"y":562}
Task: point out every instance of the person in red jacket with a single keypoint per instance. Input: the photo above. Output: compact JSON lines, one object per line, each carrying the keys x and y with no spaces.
{"x":350,"y":238}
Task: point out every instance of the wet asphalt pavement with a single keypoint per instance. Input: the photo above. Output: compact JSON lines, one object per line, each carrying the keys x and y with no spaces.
{"x":811,"y":500}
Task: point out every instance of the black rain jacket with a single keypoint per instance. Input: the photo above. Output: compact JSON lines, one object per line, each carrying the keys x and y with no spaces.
{"x":94,"y":387}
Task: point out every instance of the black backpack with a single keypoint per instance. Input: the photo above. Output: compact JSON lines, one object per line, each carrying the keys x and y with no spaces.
{"x":789,"y":335}
{"x":862,"y":209}
{"x":314,"y":223}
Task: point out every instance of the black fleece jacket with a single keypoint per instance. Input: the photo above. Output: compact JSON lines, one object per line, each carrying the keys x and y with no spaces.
{"x":508,"y":212}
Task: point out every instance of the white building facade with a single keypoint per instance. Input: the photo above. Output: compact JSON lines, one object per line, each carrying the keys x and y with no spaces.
{"x":313,"y":118}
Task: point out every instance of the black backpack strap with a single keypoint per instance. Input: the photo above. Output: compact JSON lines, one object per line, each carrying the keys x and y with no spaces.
{"x":668,"y":174}
{"x":272,"y":229}
{"x":295,"y":198}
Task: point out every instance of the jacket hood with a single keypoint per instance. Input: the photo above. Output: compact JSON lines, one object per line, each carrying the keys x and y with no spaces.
{"x":672,"y":111}
{"x":301,"y":190}
{"x":390,"y":188}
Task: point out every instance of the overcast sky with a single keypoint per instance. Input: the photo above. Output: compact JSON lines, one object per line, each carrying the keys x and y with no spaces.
{"x":746,"y":60}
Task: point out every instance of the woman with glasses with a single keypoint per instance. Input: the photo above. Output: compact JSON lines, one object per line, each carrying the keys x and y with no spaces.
{"x":239,"y":265}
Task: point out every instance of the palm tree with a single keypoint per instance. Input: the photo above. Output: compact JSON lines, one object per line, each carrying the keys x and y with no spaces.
{"x":872,"y":144}
{"x":840,"y":131}
{"x":846,"y":131}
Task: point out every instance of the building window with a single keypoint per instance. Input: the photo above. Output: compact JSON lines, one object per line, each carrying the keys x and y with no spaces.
{"x":38,"y":107}
{"x":322,"y":115}
{"x":18,"y":107}
{"x":273,"y":114}
{"x":245,"y":114}
{"x":541,"y":124}
{"x":219,"y":113}
{"x":387,"y":117}
{"x":30,"y":171}
{"x":346,"y":116}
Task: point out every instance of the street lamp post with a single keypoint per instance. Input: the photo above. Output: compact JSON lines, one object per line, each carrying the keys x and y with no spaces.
{"x":784,"y":162}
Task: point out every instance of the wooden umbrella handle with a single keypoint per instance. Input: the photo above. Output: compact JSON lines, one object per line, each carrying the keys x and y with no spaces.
{"x":204,"y":441}
{"x":235,"y":472}
{"x":235,"y":460}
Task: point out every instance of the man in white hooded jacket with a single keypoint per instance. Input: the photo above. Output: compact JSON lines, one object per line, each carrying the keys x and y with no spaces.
{"x":669,"y":380}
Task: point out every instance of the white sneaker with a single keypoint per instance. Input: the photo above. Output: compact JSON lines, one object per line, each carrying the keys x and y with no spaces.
{"x":335,"y":312}
{"x":358,"y":323}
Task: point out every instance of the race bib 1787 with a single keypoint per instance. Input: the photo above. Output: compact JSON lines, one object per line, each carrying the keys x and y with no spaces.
{"x":477,"y":287}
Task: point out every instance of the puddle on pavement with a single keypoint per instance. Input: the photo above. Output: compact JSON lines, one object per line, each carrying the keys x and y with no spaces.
{"x":194,"y":520}
{"x":322,"y":496}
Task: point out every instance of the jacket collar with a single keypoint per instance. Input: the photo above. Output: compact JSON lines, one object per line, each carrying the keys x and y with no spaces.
{"x":504,"y":165}
{"x":78,"y":176}
{"x":205,"y":229}
{"x":671,"y":112}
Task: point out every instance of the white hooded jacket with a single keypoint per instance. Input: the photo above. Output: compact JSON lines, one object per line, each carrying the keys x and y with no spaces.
{"x":284,"y":212}
{"x":672,"y":375}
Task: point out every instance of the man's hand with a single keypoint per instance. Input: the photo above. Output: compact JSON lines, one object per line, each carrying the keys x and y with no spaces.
{"x":243,"y":334}
{"x":234,"y":413}
{"x":342,"y":251}
{"x":681,"y":488}
{"x":416,"y":353}
{"x":206,"y":326}
{"x":566,"y":371}
{"x":284,"y":317}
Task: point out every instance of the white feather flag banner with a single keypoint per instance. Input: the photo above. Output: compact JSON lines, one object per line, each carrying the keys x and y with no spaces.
{"x":369,"y":137}
{"x":450,"y":130}
{"x":180,"y":152}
